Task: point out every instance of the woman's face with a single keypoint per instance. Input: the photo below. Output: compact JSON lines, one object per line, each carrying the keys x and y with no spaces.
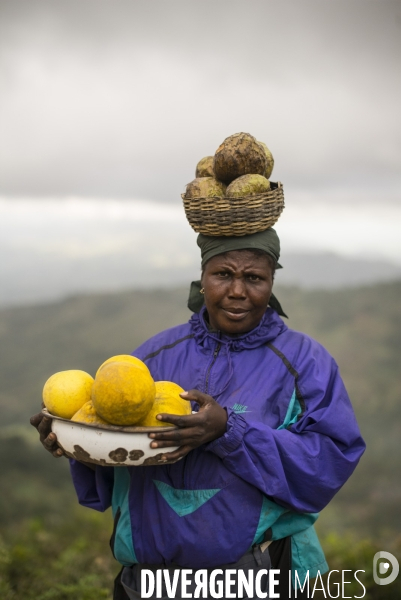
{"x":238,"y":286}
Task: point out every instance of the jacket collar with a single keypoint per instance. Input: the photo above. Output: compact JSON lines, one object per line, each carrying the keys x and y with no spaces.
{"x":268,"y":329}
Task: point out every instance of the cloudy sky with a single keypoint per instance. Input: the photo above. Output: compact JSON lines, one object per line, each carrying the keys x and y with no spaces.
{"x":117,"y":101}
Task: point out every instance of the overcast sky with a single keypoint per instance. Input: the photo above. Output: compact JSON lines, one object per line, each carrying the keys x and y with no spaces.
{"x":107,"y":106}
{"x":122,"y":98}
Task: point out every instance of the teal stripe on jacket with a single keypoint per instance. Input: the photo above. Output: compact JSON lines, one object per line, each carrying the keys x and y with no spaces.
{"x":123,"y":545}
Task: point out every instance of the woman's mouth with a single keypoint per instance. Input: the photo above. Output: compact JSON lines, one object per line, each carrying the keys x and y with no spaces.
{"x":235,"y":314}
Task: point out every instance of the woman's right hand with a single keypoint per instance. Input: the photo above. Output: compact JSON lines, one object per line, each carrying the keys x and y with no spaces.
{"x":47,"y":437}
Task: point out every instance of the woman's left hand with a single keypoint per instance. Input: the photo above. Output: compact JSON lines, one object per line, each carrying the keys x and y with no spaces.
{"x":194,"y":430}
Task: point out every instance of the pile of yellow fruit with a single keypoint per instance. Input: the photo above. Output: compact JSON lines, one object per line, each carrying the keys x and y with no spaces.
{"x":122,"y":393}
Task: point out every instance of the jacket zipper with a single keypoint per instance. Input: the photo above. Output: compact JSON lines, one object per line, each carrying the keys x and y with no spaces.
{"x":215,"y":353}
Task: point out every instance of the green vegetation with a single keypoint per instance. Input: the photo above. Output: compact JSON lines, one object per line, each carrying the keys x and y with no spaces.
{"x":50,"y":548}
{"x":53,"y":560}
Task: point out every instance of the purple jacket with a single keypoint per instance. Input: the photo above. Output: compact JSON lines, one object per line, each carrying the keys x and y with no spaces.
{"x":291,"y":442}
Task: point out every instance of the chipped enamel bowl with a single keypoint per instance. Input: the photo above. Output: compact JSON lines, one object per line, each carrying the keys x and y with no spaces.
{"x":108,"y":445}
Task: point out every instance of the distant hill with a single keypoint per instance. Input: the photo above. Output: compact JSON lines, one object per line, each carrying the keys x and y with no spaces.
{"x":331,"y":271}
{"x":29,"y":277}
{"x":361,"y":327}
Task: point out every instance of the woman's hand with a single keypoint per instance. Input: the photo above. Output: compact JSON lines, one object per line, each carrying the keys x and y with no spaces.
{"x":194,"y":430}
{"x":47,"y":437}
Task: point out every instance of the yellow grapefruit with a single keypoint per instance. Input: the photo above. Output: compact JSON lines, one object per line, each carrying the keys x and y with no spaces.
{"x":124,"y":358}
{"x":167,"y":400}
{"x":123,"y":393}
{"x":87,"y":414}
{"x":66,"y":392}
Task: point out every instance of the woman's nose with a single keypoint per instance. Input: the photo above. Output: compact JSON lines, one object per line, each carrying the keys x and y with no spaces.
{"x":237,"y":288}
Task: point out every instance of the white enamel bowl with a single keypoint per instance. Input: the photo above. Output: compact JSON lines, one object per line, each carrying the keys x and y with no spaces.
{"x":108,"y":445}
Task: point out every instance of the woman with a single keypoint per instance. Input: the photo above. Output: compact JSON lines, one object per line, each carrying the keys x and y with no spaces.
{"x":274,"y":439}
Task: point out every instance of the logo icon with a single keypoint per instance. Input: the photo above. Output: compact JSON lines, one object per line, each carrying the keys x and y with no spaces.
{"x":240,"y":408}
{"x":382,"y":568}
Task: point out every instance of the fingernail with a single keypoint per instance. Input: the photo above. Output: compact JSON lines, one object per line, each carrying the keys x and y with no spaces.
{"x":159,"y":417}
{"x":152,"y":435}
{"x":184,"y":394}
{"x":153,"y":445}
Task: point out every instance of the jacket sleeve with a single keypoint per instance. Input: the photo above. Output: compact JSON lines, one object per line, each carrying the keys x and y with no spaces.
{"x":94,"y":488}
{"x":301,"y":467}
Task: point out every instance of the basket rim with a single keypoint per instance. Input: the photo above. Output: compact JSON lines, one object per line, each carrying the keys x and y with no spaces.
{"x":238,"y":198}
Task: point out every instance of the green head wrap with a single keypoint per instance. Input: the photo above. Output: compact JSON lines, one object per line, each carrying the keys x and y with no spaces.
{"x":267,"y":241}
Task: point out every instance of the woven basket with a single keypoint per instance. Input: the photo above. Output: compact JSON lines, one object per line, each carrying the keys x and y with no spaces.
{"x":235,"y":216}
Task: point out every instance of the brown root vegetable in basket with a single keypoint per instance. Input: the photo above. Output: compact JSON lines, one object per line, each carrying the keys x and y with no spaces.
{"x":269,"y":160}
{"x":205,"y":187}
{"x":204,"y":168}
{"x":248,"y":185}
{"x":240,"y":154}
